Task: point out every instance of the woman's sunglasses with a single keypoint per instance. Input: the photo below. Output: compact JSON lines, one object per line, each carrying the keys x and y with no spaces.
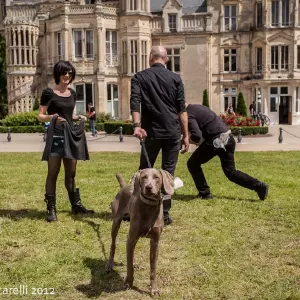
{"x":67,"y":72}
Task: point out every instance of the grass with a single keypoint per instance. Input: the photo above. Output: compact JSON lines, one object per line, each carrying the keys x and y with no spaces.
{"x":233,"y":247}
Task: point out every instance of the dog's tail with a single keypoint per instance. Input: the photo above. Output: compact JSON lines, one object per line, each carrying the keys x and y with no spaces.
{"x":121,"y":180}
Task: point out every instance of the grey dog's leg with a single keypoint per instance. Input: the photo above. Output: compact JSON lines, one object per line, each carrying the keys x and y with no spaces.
{"x":153,"y":262}
{"x":130,"y":246}
{"x":114,"y":232}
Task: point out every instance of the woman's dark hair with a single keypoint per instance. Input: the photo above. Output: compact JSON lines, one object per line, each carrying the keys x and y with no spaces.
{"x":60,"y":68}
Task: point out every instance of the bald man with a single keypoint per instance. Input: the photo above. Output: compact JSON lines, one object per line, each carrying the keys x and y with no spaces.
{"x":157,"y":95}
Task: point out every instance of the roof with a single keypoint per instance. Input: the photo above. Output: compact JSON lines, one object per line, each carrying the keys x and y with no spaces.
{"x":189,"y":6}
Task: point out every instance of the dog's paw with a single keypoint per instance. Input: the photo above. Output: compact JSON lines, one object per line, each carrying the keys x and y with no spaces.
{"x":109,"y":266}
{"x":154,"y":292}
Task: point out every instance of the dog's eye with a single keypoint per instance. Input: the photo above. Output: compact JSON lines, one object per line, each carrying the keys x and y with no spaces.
{"x":156,"y":177}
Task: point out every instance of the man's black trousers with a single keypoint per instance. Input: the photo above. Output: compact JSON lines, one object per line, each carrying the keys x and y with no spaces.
{"x":205,"y":152}
{"x":170,"y":149}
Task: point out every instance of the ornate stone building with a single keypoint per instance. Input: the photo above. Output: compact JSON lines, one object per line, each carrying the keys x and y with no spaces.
{"x":224,"y":46}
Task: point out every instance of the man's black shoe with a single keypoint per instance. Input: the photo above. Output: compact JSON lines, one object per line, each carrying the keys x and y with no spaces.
{"x":167,"y":219}
{"x":205,"y":197}
{"x":262,"y":191}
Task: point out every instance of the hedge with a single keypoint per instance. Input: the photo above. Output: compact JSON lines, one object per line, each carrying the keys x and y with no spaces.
{"x":110,"y":127}
{"x":99,"y":126}
{"x":21,"y":119}
{"x":22,"y":129}
{"x":250,"y":130}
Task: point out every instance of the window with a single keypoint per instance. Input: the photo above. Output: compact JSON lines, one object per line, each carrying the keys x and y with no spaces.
{"x":285,"y":12}
{"x":229,"y":97}
{"x":133,"y":56}
{"x":298,"y":57}
{"x":89,"y":42}
{"x":284,"y":57}
{"x":259,"y":15}
{"x":230,"y":18}
{"x":133,"y":4}
{"x":174,"y":59}
{"x":78,"y":43}
{"x":230,"y":60}
{"x":280,"y":12}
{"x":113,"y":100}
{"x":279,"y":53}
{"x":274,"y":57}
{"x":273,"y":104}
{"x":89,"y":2}
{"x":124,"y":57}
{"x":111,"y":48}
{"x":144,"y":55}
{"x":284,"y":90}
{"x":59,"y":45}
{"x":275,"y":12}
{"x":172,"y":23}
{"x":84,"y":95}
{"x":258,"y":60}
{"x":274,"y":91}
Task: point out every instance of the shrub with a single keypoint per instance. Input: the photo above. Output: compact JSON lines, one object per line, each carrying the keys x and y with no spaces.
{"x":238,"y":120}
{"x":241,"y":108}
{"x":205,"y":99}
{"x":103,"y":117}
{"x":21,"y":119}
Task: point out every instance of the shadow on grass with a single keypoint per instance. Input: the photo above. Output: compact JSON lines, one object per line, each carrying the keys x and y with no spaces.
{"x":182,"y":197}
{"x":101,"y":281}
{"x":22,"y":214}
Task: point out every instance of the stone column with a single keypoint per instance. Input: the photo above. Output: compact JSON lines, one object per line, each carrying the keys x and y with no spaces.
{"x":222,"y":21}
{"x":296,"y":14}
{"x":25,"y":47}
{"x":128,"y":57}
{"x":280,"y":13}
{"x":52,"y":50}
{"x":264,"y":100}
{"x":19,"y":46}
{"x":294,"y":99}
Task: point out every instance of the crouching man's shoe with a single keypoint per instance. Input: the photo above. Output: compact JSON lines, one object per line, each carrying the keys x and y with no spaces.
{"x":77,"y":207}
{"x":262,"y":190}
{"x":205,"y":197}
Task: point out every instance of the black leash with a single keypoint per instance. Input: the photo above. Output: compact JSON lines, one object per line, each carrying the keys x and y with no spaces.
{"x":144,"y":151}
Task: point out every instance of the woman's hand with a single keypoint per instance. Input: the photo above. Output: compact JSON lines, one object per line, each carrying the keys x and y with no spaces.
{"x":59,"y":119}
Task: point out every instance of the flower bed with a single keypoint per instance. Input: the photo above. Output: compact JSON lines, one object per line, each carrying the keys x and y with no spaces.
{"x":237,"y":120}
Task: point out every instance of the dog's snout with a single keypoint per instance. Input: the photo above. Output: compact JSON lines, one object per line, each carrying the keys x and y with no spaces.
{"x":149,"y":186}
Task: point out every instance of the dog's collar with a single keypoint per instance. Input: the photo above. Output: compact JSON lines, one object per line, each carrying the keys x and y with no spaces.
{"x":151,"y":201}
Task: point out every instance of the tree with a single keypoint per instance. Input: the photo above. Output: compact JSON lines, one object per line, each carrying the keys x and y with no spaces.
{"x":241,"y":108}
{"x":205,"y":99}
{"x":3,"y":91}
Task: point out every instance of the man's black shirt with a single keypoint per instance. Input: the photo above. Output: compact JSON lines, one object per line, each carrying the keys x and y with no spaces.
{"x":158,"y":94}
{"x":204,"y":122}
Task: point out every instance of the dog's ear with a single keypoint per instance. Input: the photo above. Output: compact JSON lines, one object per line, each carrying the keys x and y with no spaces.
{"x":168,"y":182}
{"x":135,"y":183}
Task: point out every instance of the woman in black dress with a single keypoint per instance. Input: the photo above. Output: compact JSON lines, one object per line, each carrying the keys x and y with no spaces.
{"x":65,"y":142}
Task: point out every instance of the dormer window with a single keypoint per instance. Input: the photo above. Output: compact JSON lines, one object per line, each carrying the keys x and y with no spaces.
{"x":89,"y":1}
{"x":172,"y":22}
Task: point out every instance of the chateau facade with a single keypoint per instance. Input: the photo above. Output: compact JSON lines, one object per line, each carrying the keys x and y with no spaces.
{"x":224,"y":46}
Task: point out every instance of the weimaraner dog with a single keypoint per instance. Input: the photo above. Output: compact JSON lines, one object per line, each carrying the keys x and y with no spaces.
{"x":142,"y":199}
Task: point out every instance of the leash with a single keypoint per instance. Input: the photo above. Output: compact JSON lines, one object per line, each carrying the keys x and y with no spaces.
{"x":145,"y":153}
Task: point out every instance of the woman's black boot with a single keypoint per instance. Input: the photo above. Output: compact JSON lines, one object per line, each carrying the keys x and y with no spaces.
{"x":77,"y":207}
{"x":51,"y":208}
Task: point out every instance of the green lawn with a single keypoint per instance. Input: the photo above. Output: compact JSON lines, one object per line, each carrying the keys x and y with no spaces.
{"x":233,"y":247}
